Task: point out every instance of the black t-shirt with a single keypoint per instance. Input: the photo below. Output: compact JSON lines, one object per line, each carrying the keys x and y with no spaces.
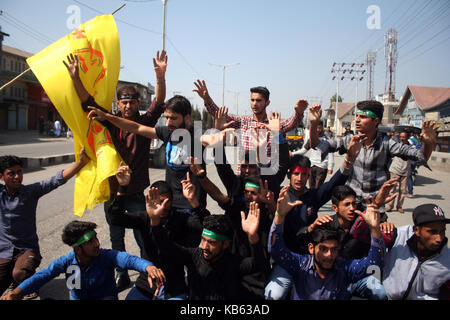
{"x":180,"y":145}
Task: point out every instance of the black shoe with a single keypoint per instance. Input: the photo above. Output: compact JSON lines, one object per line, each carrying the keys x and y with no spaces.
{"x":122,"y":281}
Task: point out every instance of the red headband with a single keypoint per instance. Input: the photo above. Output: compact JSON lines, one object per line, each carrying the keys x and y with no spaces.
{"x":299,"y":169}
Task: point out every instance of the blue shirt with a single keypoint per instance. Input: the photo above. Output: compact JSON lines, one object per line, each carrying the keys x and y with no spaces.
{"x":18,"y":215}
{"x":308,"y":284}
{"x":95,"y":283}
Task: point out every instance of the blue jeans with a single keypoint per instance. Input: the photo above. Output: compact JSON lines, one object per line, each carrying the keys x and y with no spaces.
{"x":280,"y":281}
{"x":410,"y":179}
{"x":133,"y":203}
{"x":368,"y":288}
{"x":136,"y":294}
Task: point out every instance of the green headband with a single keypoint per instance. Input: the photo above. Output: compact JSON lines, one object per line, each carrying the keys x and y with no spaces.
{"x":367,"y":113}
{"x":252,"y":185}
{"x":85,"y":237}
{"x":215,"y":236}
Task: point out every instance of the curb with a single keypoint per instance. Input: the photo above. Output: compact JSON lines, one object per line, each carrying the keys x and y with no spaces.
{"x":35,"y":163}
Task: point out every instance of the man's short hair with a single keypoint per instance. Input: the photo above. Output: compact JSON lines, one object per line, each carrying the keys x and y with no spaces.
{"x":372,"y":105}
{"x":179,"y":104}
{"x":321,"y":234}
{"x":9,"y":161}
{"x":339,"y":193}
{"x":261,"y":90}
{"x":219,"y":223}
{"x":128,"y":89}
{"x":252,"y":179}
{"x":299,"y":160}
{"x":162,"y":186}
{"x":74,"y":230}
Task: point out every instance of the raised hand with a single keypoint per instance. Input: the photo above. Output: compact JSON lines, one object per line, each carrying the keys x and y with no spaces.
{"x":372,"y":217}
{"x":315,"y":113}
{"x":220,"y":119}
{"x":429,"y":132}
{"x":188,"y":188}
{"x":160,"y":64}
{"x":72,"y":66}
{"x":284,"y":205}
{"x":383,"y":195}
{"x":250,"y":224}
{"x":202,"y":90}
{"x":153,"y":204}
{"x":320,"y":221}
{"x":274,"y":121}
{"x":301,"y":106}
{"x":195,"y":167}
{"x":123,"y":175}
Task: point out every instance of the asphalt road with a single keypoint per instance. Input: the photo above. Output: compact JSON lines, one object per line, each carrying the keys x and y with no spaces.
{"x":55,"y":210}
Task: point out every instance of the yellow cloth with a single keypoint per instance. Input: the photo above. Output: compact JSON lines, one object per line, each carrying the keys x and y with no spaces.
{"x":96,"y":43}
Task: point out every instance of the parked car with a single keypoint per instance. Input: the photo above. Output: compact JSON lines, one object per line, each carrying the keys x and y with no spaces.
{"x":295,"y":138}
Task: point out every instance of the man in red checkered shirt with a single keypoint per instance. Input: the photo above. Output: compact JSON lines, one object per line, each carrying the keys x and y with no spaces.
{"x":250,"y":126}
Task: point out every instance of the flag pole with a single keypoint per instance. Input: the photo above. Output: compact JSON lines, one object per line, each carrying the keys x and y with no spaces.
{"x":27,"y":70}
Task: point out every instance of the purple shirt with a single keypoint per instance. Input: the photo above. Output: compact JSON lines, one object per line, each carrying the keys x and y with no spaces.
{"x":18,"y":216}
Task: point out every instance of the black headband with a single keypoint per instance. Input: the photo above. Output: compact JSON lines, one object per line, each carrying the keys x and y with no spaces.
{"x":134,"y":96}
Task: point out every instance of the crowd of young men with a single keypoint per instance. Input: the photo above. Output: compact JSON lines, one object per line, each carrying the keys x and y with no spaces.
{"x":268,"y":241}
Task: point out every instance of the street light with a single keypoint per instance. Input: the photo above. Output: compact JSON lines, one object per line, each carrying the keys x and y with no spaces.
{"x":223,"y":66}
{"x":164,"y":2}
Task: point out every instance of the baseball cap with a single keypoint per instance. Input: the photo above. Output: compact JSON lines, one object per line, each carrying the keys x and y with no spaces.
{"x":427,"y":213}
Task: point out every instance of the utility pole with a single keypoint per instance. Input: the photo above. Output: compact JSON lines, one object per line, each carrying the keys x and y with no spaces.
{"x":358,"y":77}
{"x":370,"y":63}
{"x":340,"y":69}
{"x":224,"y":66}
{"x":236,"y":96}
{"x":164,"y":2}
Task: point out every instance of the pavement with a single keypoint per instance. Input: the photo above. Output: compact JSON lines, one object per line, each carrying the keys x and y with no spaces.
{"x":36,"y":150}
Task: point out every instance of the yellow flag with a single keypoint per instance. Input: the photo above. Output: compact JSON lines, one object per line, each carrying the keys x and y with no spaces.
{"x":96,"y":43}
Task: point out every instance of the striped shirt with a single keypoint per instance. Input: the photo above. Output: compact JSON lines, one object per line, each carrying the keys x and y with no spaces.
{"x":370,"y":169}
{"x":248,"y":127}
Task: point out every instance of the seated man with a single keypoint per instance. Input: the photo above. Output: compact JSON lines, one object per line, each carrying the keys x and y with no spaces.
{"x":351,"y":231}
{"x":418,"y":265}
{"x":177,"y":226}
{"x":214,"y":272}
{"x":254,"y":284}
{"x":321,"y":274}
{"x":89,"y":270}
{"x":19,"y":243}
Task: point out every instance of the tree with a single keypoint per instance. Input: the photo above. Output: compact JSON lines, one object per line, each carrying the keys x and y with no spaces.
{"x":196,"y":115}
{"x":333,"y":99}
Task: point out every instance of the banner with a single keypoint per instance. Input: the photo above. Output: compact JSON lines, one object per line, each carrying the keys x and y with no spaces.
{"x":96,"y":43}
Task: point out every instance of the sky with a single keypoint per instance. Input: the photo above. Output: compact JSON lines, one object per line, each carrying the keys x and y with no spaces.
{"x":288,"y":46}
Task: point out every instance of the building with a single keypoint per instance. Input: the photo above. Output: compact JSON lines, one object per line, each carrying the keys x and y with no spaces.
{"x":427,"y":103}
{"x":390,"y":116}
{"x":346,"y":115}
{"x":24,"y":101}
